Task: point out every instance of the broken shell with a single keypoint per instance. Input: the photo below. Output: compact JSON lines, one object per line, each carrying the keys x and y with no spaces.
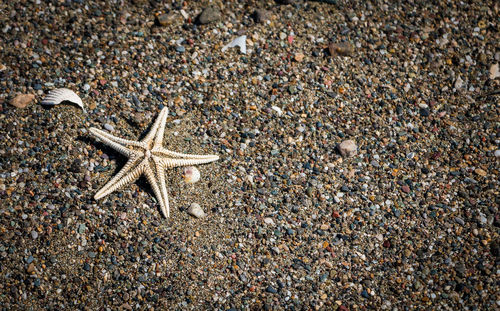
{"x":57,"y":96}
{"x":240,"y":41}
{"x":191,"y":174}
{"x":196,"y":210}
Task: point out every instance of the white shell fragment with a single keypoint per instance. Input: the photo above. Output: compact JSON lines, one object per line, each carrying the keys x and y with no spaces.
{"x":57,"y":96}
{"x":196,"y":210}
{"x":191,"y":174}
{"x":240,"y":41}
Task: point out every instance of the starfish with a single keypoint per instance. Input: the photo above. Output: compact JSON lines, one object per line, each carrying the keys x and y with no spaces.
{"x":147,"y":157}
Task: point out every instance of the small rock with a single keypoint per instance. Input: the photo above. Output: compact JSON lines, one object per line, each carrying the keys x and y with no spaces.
{"x":365,"y":294}
{"x":209,"y":15}
{"x":196,"y":210}
{"x":459,"y":221}
{"x":22,"y":100}
{"x":299,"y":57}
{"x":31,"y":268}
{"x":86,"y":267}
{"x":405,"y":189}
{"x":271,"y":289}
{"x":109,"y":127}
{"x":480,"y":172}
{"x":342,"y":49}
{"x":180,"y":49}
{"x":348,"y":148}
{"x":286,"y":1}
{"x":268,"y":221}
{"x":34,"y":234}
{"x":261,"y":15}
{"x":494,"y":72}
{"x":497,"y":153}
{"x":166,"y":19}
{"x":458,"y":83}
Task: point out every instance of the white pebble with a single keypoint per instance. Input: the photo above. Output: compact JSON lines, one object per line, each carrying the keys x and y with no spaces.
{"x":268,"y":221}
{"x":348,"y":148}
{"x":497,"y":153}
{"x":196,"y":210}
{"x":109,"y":127}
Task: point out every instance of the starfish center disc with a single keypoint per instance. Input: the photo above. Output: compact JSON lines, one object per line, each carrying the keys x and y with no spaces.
{"x":148,"y":154}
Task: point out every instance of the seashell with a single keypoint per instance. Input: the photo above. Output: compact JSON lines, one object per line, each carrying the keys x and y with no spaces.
{"x":240,"y":41}
{"x":191,"y":174}
{"x":57,"y":96}
{"x":196,"y":210}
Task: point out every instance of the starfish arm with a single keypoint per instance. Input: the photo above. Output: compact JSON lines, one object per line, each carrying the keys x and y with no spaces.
{"x":100,"y":133}
{"x":161,"y":129}
{"x":169,"y":163}
{"x":112,"y":141}
{"x":128,"y":174}
{"x":157,"y":182}
{"x":163,"y":152}
{"x":160,"y":122}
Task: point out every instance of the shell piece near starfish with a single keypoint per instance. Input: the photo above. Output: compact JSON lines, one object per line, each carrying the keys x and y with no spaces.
{"x":57,"y":96}
{"x":191,"y":174}
{"x":147,"y":157}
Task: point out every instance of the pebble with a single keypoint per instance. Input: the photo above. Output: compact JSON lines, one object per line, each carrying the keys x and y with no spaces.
{"x":109,"y":127}
{"x":299,"y":57}
{"x":271,"y":290}
{"x":408,"y":216}
{"x":34,"y":234}
{"x":195,"y":210}
{"x":341,"y":49}
{"x":209,"y":15}
{"x":166,"y":19}
{"x":480,"y":172}
{"x":459,"y":83}
{"x":261,"y":15}
{"x":180,"y":49}
{"x":494,"y":71}
{"x":22,"y":100}
{"x":348,"y":148}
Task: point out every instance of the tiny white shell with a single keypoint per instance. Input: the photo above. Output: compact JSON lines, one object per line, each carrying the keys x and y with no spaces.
{"x":57,"y":96}
{"x":240,"y":41}
{"x":196,"y":210}
{"x":191,"y":174}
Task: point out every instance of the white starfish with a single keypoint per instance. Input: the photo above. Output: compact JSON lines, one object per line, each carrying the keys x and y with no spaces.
{"x":147,"y":157}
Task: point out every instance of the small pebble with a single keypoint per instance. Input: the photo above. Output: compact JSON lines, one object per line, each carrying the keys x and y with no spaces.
{"x":196,"y":210}
{"x":348,"y":148}
{"x":342,"y":49}
{"x":261,"y":15}
{"x":22,"y":100}
{"x":109,"y":127}
{"x":166,"y":19}
{"x":209,"y":15}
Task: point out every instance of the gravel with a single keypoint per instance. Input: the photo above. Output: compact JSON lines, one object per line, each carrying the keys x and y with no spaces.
{"x":410,"y":221}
